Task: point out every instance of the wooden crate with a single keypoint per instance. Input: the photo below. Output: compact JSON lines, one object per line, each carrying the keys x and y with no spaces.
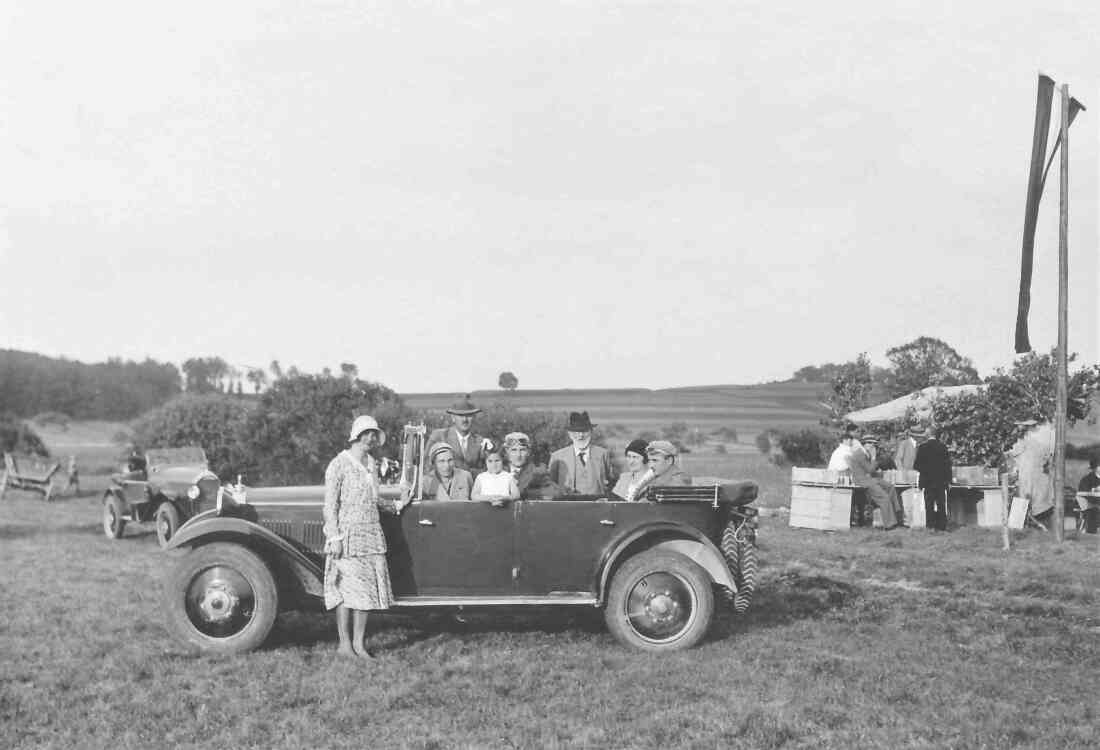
{"x":827,"y":508}
{"x":913,"y":502}
{"x":990,"y":508}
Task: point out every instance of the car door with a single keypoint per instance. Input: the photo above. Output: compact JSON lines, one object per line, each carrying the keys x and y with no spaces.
{"x":462,"y":548}
{"x":560,"y":543}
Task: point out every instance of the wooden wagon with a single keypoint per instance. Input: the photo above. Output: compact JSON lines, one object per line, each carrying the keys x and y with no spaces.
{"x":24,"y":472}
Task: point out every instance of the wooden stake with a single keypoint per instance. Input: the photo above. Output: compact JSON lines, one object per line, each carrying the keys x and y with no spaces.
{"x":1006,"y":503}
{"x":1061,"y":394}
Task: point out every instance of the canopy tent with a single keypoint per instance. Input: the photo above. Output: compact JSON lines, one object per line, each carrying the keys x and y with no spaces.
{"x":920,"y":401}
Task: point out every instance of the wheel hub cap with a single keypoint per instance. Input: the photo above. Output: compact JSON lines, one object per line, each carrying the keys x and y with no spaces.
{"x":218,"y":603}
{"x":660,"y":607}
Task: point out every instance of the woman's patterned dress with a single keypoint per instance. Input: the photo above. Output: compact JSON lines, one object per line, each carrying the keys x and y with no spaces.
{"x":359,"y":579}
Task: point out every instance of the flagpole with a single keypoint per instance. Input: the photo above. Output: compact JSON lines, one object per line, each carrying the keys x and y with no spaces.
{"x":1063,"y":325}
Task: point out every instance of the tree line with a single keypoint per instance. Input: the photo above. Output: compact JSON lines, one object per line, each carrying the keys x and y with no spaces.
{"x":116,"y":389}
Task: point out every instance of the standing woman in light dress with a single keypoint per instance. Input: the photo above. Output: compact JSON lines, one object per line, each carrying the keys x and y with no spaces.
{"x":356,"y":576}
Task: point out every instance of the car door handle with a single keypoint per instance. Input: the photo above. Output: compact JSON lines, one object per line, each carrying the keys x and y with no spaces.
{"x":607,"y":522}
{"x":426,"y":522}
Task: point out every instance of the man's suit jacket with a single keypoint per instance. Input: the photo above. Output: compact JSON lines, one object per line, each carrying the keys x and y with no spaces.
{"x":594,"y":479}
{"x":535,"y":484}
{"x":934,"y":465}
{"x":472,"y":459}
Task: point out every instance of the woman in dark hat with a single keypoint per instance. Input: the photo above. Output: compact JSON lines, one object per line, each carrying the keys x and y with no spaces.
{"x":635,"y":467}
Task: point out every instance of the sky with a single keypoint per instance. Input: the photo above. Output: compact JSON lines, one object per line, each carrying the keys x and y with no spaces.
{"x":587,"y":194}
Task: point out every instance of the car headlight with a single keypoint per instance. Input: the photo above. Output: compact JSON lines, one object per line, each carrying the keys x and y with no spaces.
{"x":193,"y":492}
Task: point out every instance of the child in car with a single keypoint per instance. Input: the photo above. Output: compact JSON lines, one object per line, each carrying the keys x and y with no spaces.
{"x":494,"y":484}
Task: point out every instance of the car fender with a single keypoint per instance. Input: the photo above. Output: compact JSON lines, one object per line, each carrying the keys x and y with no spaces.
{"x":276,"y":551}
{"x":685,"y":540}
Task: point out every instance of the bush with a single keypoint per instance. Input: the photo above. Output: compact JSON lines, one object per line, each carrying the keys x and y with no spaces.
{"x":806,"y":447}
{"x":763,"y":443}
{"x":16,"y":436}
{"x":1082,"y":452}
{"x":212,"y":421}
{"x":729,"y":434}
{"x":675,"y":431}
{"x":721,"y":449}
{"x":302,"y":422}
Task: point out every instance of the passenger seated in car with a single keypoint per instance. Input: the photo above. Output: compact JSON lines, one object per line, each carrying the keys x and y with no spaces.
{"x":495,"y":484}
{"x":635,"y":469}
{"x":444,"y":481}
{"x":533,"y":481}
{"x":582,"y":467}
{"x":663,"y":470}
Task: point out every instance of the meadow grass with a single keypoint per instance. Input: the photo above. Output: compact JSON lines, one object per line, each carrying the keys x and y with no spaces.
{"x":861,"y":639}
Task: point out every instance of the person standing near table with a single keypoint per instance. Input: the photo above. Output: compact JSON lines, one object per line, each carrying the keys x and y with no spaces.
{"x":934,"y":464}
{"x":1091,"y":483}
{"x":906,"y":452}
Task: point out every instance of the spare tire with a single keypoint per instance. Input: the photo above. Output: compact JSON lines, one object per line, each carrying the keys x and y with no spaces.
{"x":739,"y":549}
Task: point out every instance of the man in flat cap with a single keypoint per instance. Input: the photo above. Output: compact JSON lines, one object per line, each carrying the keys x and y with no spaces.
{"x":533,"y":481}
{"x":467,"y":446}
{"x":582,"y":468}
{"x":663,"y":471}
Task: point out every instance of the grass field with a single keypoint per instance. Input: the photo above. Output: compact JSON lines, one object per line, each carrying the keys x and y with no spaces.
{"x":864,"y":639}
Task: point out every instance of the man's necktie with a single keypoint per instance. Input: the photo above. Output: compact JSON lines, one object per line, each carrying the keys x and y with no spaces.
{"x":583,"y":455}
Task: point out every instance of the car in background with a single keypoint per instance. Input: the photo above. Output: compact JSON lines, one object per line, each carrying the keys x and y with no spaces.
{"x":169,"y":487}
{"x":653,"y":567}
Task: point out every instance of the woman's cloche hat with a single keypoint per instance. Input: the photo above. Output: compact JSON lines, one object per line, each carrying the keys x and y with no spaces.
{"x":364,"y":423}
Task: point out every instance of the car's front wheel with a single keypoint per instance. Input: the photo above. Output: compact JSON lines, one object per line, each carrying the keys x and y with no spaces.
{"x":660,"y":601}
{"x":221,"y":598}
{"x":114,"y":522}
{"x":167,"y":520}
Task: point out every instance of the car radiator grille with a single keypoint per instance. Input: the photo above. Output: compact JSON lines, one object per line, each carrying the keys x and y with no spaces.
{"x":313,"y":535}
{"x":282,"y":528}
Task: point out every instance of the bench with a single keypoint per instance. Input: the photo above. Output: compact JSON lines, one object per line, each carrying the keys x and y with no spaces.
{"x":24,"y":472}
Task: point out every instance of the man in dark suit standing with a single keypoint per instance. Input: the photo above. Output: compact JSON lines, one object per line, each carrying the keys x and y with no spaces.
{"x":934,"y":465}
{"x":582,"y":467}
{"x":468,"y":447}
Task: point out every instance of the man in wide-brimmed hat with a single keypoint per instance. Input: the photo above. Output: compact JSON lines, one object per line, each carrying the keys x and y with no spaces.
{"x":582,"y":467}
{"x":468,"y":447}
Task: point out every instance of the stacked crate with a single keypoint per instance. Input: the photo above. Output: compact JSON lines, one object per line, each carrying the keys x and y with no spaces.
{"x":821,"y":499}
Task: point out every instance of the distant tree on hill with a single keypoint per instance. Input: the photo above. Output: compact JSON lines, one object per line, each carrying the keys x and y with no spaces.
{"x":817,"y":373}
{"x":276,"y":370}
{"x":349,"y":370}
{"x":205,"y":374}
{"x":925,"y":362}
{"x":508,"y":381}
{"x":258,"y":378}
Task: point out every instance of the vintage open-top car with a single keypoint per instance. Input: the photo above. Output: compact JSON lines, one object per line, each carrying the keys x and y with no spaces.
{"x":168,"y":487}
{"x":652,"y":566}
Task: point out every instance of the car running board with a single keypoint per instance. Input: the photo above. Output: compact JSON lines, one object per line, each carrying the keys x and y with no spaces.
{"x":493,"y":601}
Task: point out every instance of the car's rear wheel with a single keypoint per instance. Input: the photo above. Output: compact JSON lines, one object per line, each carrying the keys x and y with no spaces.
{"x":660,"y":601}
{"x":114,"y":524}
{"x":167,"y":520}
{"x":221,"y":598}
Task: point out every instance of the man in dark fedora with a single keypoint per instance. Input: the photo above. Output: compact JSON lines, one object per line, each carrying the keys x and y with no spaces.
{"x":934,"y":464}
{"x":582,"y":468}
{"x":468,"y":447}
